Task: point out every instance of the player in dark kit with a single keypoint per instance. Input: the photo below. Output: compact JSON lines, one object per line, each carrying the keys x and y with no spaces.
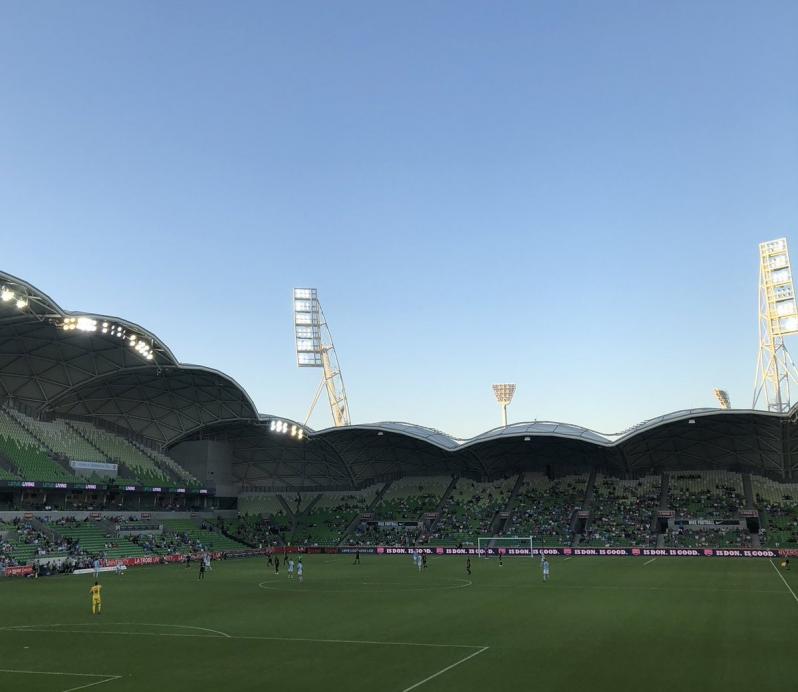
{"x":277,"y":564}
{"x":468,"y":566}
{"x":357,"y":558}
{"x":424,"y":560}
{"x":202,"y":569}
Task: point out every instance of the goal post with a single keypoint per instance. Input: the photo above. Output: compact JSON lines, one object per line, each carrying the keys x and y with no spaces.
{"x":484,"y":543}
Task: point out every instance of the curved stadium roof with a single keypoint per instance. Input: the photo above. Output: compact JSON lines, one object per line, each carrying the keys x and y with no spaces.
{"x":52,"y":370}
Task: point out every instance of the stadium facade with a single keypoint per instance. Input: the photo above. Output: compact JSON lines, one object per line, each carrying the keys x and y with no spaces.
{"x":69,"y":365}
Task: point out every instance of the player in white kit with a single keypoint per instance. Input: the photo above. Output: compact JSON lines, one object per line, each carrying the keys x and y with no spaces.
{"x":299,"y":570}
{"x":291,"y":568}
{"x":545,"y":570}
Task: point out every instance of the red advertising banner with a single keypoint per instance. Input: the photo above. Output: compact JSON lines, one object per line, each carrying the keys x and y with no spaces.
{"x":21,"y":571}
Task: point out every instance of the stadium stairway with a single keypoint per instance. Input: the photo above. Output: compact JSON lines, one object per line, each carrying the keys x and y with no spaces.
{"x":7,"y":469}
{"x":289,"y":513}
{"x":20,"y":420}
{"x":587,"y":502}
{"x":503,"y":514}
{"x":304,"y":513}
{"x":664,"y":503}
{"x":748,"y":490}
{"x":356,"y":520}
{"x":439,"y":508}
{"x":80,"y":433}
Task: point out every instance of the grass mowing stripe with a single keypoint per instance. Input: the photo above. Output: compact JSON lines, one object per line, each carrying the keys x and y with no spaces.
{"x":445,"y":670}
{"x":781,"y":576}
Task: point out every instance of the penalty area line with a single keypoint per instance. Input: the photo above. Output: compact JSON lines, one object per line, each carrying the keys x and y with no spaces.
{"x":446,"y":669}
{"x":781,"y":576}
{"x":105,"y":677}
{"x":649,"y":561}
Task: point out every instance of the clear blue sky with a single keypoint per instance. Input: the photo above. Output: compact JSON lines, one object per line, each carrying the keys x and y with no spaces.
{"x":565,"y":195}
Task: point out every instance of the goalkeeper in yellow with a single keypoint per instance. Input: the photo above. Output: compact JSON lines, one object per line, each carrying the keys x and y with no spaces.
{"x":96,"y":598}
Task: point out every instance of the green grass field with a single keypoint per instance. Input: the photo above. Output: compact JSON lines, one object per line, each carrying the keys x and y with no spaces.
{"x":600,"y":624}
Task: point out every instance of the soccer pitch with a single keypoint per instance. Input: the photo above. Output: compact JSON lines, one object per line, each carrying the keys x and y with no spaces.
{"x":598,"y":624}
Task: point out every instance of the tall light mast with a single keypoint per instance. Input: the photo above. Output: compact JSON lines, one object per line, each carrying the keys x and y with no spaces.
{"x":723,"y":398}
{"x":315,"y":349}
{"x":778,"y":317}
{"x":504,"y":395}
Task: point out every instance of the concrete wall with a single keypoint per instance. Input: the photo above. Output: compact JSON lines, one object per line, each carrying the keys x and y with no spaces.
{"x":210,"y":461}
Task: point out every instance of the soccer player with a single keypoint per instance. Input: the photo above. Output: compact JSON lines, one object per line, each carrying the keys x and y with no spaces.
{"x":96,"y":568}
{"x":468,"y":566}
{"x":424,"y":560}
{"x":96,"y":598}
{"x":277,"y":564}
{"x":419,"y":562}
{"x":202,"y":569}
{"x":545,"y":570}
{"x":120,"y":568}
{"x":291,"y":568}
{"x":299,"y":570}
{"x":357,"y":558}
{"x":500,"y":559}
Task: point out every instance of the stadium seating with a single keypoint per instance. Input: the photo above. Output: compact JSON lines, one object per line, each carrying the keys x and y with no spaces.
{"x":778,"y":510}
{"x":96,"y":539}
{"x":166,"y":462}
{"x":706,"y":494}
{"x":253,"y":529}
{"x":62,"y":439}
{"x":470,"y":509}
{"x":41,"y":450}
{"x":265,"y":504}
{"x":120,"y":450}
{"x":622,"y":511}
{"x":25,"y":452}
{"x":543,"y":508}
{"x":325,"y":524}
{"x":409,"y":497}
{"x":200,"y":538}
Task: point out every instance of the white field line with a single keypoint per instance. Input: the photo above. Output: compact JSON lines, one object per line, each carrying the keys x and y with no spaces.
{"x":223,"y":635}
{"x":649,"y":561}
{"x":568,"y":558}
{"x":181,"y":627}
{"x":105,"y":677}
{"x":446,"y":669}
{"x":781,"y":576}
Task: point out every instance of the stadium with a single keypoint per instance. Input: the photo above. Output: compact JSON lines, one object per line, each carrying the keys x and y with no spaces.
{"x":114,"y":453}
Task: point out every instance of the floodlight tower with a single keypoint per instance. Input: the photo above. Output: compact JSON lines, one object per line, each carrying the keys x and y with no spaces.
{"x":723,"y":398}
{"x":778,"y":317}
{"x":315,"y":349}
{"x":504,"y":395}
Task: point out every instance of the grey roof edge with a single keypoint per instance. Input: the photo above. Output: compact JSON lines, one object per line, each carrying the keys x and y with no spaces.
{"x":162,"y":347}
{"x":553,"y":429}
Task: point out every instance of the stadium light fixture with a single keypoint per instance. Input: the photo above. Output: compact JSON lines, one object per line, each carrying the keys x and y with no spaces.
{"x":778,"y":318}
{"x":315,"y":349}
{"x":504,"y":395}
{"x":723,"y":398}
{"x":283,"y":427}
{"x":85,"y":323}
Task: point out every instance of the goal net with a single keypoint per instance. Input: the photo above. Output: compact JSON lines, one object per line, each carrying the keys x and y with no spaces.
{"x":493,"y":546}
